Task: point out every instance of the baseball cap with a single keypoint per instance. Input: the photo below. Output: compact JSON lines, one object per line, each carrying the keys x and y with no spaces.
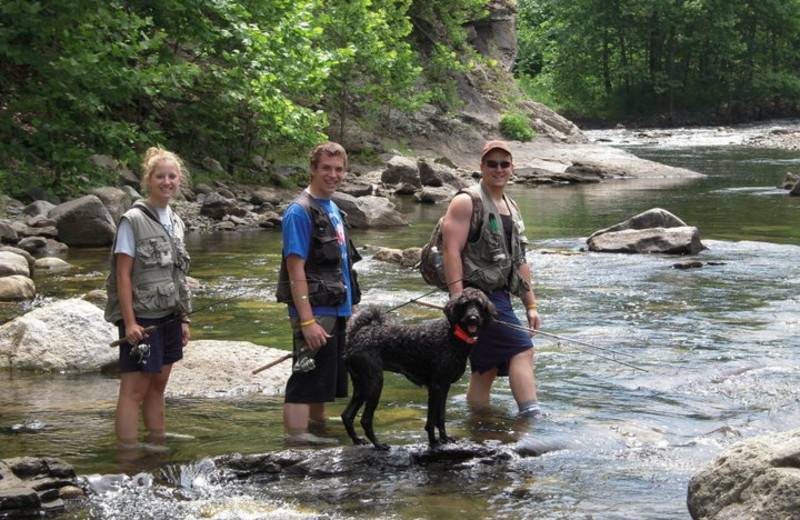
{"x":494,"y":145}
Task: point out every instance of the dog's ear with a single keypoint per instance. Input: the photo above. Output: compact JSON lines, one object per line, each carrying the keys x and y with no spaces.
{"x":491,"y":310}
{"x":450,"y":306}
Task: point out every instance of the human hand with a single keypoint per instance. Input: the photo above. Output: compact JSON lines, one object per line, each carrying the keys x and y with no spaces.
{"x":315,"y":336}
{"x":533,"y":320}
{"x":135,"y":333}
{"x":186,"y":333}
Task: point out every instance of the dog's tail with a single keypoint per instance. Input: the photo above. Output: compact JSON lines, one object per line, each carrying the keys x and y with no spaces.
{"x":367,"y":317}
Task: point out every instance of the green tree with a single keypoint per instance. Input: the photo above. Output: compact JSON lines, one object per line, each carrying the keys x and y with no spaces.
{"x":379,"y":69}
{"x":649,"y":56}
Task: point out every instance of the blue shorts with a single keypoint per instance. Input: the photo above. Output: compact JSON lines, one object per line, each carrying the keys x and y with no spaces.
{"x":498,"y":343}
{"x":165,"y":346}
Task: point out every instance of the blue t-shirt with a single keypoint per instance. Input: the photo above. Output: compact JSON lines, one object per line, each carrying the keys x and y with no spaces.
{"x":297,"y":238}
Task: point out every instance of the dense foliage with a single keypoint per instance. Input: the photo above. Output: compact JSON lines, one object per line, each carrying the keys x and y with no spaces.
{"x":220,"y":78}
{"x":729,"y":58}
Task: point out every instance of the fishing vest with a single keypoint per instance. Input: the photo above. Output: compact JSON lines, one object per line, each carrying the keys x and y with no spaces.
{"x":324,"y":274}
{"x":159,"y":269}
{"x":487,"y":263}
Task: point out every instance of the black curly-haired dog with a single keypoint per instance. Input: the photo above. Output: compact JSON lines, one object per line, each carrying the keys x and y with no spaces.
{"x":432,"y":354}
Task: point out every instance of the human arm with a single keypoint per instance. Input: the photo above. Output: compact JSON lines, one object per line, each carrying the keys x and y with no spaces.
{"x":529,"y":298}
{"x":313,"y":332}
{"x":124,"y":268}
{"x":455,"y":232}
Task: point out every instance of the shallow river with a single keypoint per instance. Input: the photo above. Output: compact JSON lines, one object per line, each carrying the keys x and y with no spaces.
{"x":716,"y":350}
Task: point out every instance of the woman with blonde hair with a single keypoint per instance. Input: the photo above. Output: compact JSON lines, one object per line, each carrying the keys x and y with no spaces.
{"x":147,"y":288}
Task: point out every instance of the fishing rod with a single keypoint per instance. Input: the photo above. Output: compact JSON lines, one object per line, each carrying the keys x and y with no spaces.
{"x":151,"y":328}
{"x":560,"y":338}
{"x":432,"y":291}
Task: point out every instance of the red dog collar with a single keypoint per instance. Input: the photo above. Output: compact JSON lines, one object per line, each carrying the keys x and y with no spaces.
{"x":463,"y":336}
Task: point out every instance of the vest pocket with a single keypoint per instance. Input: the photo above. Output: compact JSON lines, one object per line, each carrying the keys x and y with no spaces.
{"x":155,"y":297}
{"x":154,"y":252}
{"x":326,"y":293}
{"x":328,"y":251}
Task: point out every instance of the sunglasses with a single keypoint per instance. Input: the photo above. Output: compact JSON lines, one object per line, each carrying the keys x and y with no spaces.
{"x":495,"y":164}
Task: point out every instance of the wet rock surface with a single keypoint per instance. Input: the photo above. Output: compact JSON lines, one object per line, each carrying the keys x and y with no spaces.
{"x":30,"y":487}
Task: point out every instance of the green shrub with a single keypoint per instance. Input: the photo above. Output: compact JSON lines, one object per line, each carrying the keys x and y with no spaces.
{"x":516,"y":127}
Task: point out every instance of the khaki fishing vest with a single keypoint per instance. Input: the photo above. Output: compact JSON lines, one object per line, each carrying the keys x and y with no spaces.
{"x":159,"y":269}
{"x":487,"y":263}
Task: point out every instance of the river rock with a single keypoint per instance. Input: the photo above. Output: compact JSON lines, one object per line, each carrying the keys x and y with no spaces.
{"x":41,"y":247}
{"x":212,"y":368}
{"x":116,"y":200}
{"x":21,"y":252}
{"x":369,"y":212}
{"x":440,"y":173}
{"x":30,"y":487}
{"x":755,"y":478}
{"x":401,"y":170}
{"x":16,"y":288}
{"x":68,"y":335}
{"x":675,"y":241}
{"x":8,"y":234}
{"x":84,"y":222}
{"x":654,"y":231}
{"x":51,"y":263}
{"x":13,"y":264}
{"x":431,"y":195}
{"x":38,"y":207}
{"x":795,"y":192}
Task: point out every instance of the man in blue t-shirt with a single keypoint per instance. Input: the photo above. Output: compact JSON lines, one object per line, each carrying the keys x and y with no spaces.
{"x":323,"y":291}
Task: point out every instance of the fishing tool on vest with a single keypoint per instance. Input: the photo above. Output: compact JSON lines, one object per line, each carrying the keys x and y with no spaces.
{"x":555,"y":336}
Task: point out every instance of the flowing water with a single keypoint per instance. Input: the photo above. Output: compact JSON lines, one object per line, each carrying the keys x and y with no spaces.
{"x":717,"y":348}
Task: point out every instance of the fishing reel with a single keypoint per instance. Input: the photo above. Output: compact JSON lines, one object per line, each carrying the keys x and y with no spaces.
{"x":305,"y":363}
{"x":142,"y":350}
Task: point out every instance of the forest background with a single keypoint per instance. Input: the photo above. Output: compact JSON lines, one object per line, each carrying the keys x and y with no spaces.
{"x":235,"y":80}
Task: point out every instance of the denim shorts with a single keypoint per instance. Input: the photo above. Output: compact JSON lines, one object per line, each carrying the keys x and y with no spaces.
{"x":498,"y":343}
{"x":164,"y":346}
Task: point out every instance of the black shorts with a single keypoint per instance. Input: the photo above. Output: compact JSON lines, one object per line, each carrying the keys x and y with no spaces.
{"x":498,"y":343}
{"x":328,"y":380}
{"x":165,"y":346}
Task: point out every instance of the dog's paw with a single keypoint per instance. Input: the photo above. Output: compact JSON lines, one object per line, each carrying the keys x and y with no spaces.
{"x":358,"y":441}
{"x":381,"y":446}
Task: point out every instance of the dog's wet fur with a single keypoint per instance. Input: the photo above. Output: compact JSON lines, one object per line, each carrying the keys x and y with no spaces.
{"x":430,"y":355}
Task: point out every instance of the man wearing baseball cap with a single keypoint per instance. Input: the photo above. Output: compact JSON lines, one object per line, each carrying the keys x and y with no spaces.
{"x":491,"y":257}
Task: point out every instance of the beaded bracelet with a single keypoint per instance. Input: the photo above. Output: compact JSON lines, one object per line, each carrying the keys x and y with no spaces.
{"x":306,"y":323}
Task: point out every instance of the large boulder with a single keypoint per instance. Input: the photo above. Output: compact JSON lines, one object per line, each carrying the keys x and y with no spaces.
{"x":213,"y":368}
{"x":755,"y":478}
{"x":15,"y":288}
{"x":8,"y":234}
{"x":654,"y":231}
{"x":116,"y":200}
{"x":84,"y":222}
{"x":68,"y":335}
{"x":366,"y":212}
{"x":13,"y":264}
{"x":401,"y":170}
